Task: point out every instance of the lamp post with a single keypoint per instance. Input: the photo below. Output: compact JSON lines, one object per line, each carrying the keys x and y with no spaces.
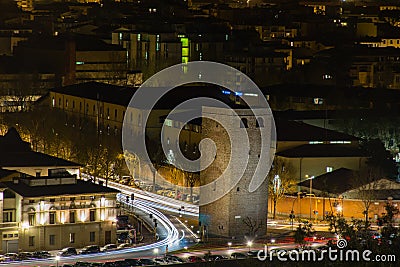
{"x":57,"y":259}
{"x":341,"y":207}
{"x":292,"y":216}
{"x":249,"y":244}
{"x":311,"y":179}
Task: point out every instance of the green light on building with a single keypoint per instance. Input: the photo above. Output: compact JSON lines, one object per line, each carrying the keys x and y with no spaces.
{"x":185,"y":48}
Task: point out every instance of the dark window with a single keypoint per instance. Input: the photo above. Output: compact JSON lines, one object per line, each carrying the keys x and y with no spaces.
{"x":72,"y":216}
{"x":31,"y":201}
{"x":260,"y":122}
{"x":52,"y":240}
{"x":92,"y":215}
{"x":52,"y":218}
{"x":31,"y":241}
{"x":107,"y":237}
{"x":52,"y":200}
{"x":92,"y":236}
{"x":7,"y":216}
{"x":115,"y":114}
{"x":243,"y":123}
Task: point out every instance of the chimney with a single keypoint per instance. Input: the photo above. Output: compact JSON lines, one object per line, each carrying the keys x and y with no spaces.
{"x":70,"y":61}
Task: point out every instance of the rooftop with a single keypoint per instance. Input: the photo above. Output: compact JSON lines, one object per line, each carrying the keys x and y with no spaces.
{"x":81,"y":187}
{"x":335,"y":182}
{"x":322,"y":151}
{"x":299,"y":131}
{"x":122,"y":95}
{"x":17,"y":153}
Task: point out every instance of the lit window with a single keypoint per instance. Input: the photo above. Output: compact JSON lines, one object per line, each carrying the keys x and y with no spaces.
{"x":329,"y":169}
{"x":72,"y":237}
{"x":168,"y":122}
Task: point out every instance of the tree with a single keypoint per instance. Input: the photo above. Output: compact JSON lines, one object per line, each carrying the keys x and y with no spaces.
{"x":253,"y":225}
{"x":379,"y":159}
{"x":280,"y":181}
{"x":157,"y":157}
{"x":303,"y":230}
{"x":366,"y":186}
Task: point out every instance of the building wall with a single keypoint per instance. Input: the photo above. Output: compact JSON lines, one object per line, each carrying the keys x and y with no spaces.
{"x":32,"y":220}
{"x":62,"y":235}
{"x":352,"y":208}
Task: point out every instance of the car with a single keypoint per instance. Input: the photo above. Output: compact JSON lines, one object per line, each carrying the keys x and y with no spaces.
{"x":160,"y":261}
{"x":146,"y":262}
{"x":256,"y":253}
{"x":109,"y":247}
{"x":314,"y":238}
{"x":173,"y":259}
{"x":11,"y":256}
{"x":216,"y":258}
{"x":41,"y":255}
{"x":133,"y":262}
{"x":90,"y":249}
{"x":26,"y":256}
{"x":68,"y":251}
{"x":124,"y":245}
{"x":238,"y":255}
{"x":195,"y":259}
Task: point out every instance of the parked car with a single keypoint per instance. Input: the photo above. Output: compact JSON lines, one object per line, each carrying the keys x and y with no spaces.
{"x":173,"y":259}
{"x":195,"y":259}
{"x":90,"y":249}
{"x":238,"y":255}
{"x":11,"y":256}
{"x":109,"y":247}
{"x":216,"y":257}
{"x":41,"y":255}
{"x":133,"y":262}
{"x":69,"y":251}
{"x":254,"y":253}
{"x":160,"y":261}
{"x":27,"y":256}
{"x":146,"y":262}
{"x":124,"y":245}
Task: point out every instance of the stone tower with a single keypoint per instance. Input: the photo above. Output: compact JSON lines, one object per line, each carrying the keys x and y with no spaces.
{"x":226,"y":216}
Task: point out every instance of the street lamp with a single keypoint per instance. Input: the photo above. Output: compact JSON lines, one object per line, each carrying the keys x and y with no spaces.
{"x":57,"y":259}
{"x":229,"y":245}
{"x":341,"y":207}
{"x":155,"y":251}
{"x":249,"y":244}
